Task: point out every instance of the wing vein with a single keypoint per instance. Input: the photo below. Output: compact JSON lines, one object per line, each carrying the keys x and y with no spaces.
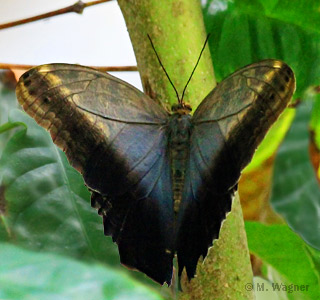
{"x":148,"y":152}
{"x":145,"y":196}
{"x":200,"y":152}
{"x":88,"y":110}
{"x":156,"y":161}
{"x":222,"y":118}
{"x":119,"y":120}
{"x":266,"y":83}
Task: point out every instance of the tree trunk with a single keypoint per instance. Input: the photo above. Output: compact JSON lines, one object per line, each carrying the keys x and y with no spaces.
{"x":177,"y":30}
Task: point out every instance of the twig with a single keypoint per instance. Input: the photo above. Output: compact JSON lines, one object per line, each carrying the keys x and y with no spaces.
{"x":109,"y":69}
{"x":77,"y":8}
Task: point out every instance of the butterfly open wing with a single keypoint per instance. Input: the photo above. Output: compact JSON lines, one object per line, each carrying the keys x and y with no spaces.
{"x":227,"y":128}
{"x":116,"y":137}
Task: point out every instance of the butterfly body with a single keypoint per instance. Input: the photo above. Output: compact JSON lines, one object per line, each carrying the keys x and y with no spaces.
{"x":180,"y":127}
{"x":162,"y":183}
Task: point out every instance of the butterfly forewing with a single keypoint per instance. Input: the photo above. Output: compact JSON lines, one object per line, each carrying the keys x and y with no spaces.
{"x":227,"y":127}
{"x":116,"y":137}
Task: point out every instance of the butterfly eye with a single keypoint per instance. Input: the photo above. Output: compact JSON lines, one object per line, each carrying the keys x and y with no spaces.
{"x":188,"y":107}
{"x":175,"y":107}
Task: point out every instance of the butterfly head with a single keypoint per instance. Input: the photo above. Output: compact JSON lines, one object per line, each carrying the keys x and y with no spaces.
{"x":181,"y":108}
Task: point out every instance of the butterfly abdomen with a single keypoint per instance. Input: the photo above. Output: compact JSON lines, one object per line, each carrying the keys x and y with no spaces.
{"x":180,"y":126}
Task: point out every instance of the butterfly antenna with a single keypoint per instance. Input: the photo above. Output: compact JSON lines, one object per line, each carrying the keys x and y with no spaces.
{"x":154,"y":49}
{"x":205,"y":43}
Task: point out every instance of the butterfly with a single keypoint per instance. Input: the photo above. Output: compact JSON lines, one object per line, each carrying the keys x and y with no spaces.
{"x":162,"y":181}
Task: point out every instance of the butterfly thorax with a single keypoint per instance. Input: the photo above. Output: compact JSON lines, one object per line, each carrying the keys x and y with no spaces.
{"x":180,"y":128}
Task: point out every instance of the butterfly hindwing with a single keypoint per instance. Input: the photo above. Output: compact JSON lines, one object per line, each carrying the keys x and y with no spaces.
{"x":116,"y":137}
{"x":227,"y":127}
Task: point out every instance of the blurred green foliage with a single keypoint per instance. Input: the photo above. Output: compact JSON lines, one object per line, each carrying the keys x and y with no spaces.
{"x":30,"y":275}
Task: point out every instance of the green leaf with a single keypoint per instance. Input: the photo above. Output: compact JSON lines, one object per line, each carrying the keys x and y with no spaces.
{"x":296,"y":192}
{"x":243,"y":32}
{"x":280,"y":248}
{"x":7,"y":102}
{"x":9,"y":126}
{"x":47,"y":203}
{"x":30,"y":275}
{"x":246,"y":31}
{"x":304,"y":14}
